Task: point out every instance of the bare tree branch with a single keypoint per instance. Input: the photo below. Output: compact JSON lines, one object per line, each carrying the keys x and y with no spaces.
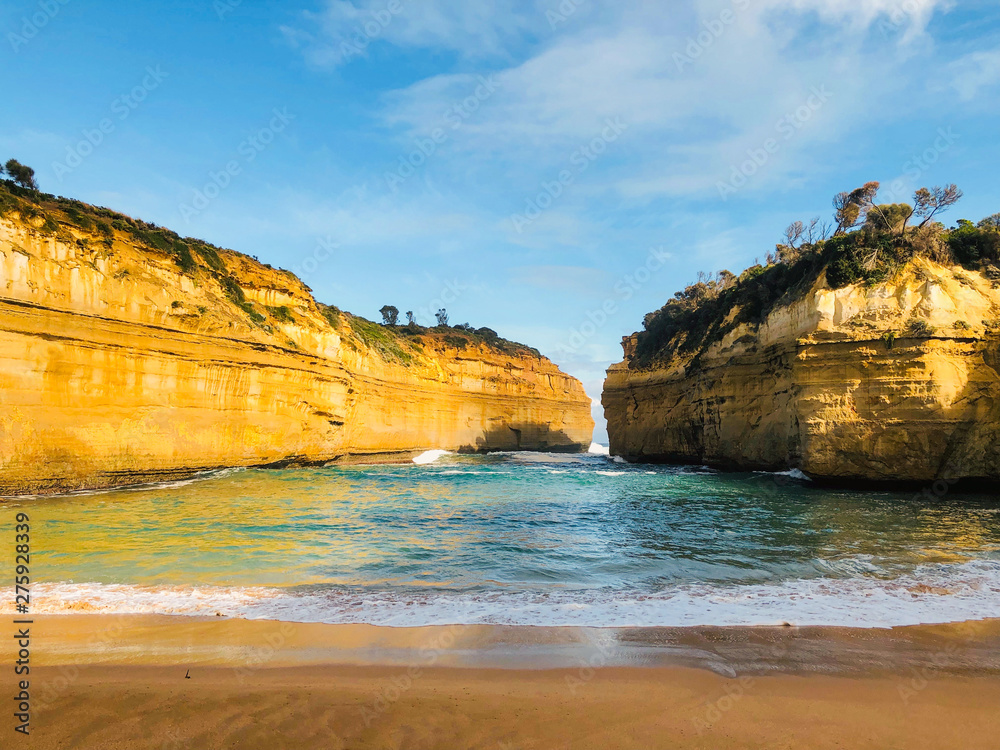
{"x":929,"y":203}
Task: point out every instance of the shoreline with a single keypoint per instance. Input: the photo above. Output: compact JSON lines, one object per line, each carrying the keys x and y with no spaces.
{"x":970,"y":648}
{"x":153,"y":682}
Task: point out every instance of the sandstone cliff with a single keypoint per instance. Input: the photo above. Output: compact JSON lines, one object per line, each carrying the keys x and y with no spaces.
{"x":125,"y":358}
{"x":895,"y":380}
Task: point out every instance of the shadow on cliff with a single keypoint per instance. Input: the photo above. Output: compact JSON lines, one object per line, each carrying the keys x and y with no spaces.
{"x":524,"y":437}
{"x":976,"y":433}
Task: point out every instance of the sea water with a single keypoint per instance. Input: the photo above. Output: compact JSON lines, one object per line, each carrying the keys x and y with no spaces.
{"x":517,"y":538}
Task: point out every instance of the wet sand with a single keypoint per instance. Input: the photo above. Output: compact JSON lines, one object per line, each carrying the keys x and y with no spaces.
{"x":119,"y":682}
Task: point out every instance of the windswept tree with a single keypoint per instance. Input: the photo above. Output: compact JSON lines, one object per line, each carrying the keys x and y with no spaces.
{"x":726,"y":279}
{"x":794,"y":235}
{"x":442,"y":317}
{"x":817,"y":231}
{"x":410,"y":320}
{"x":851,"y":208}
{"x":800,"y":239}
{"x":21,"y":174}
{"x":889,"y":218}
{"x":845,"y":212}
{"x":928,"y":203}
{"x":390,"y":315}
{"x":990,"y":222}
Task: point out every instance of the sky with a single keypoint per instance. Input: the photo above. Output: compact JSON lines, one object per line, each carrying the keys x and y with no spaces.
{"x":552,"y":169}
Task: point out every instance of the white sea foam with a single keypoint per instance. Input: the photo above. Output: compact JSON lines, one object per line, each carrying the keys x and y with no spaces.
{"x":430,"y":457}
{"x":612,"y":473}
{"x":597,"y":449}
{"x":935,"y":593}
{"x":793,"y":473}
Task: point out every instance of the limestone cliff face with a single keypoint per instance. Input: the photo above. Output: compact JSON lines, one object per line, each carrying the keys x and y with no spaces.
{"x":897,"y":381}
{"x":116,"y":367}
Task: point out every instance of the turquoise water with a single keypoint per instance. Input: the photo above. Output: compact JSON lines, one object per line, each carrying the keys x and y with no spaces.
{"x":520,"y":538}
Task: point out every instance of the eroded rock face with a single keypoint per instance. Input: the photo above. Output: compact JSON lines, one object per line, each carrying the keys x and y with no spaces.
{"x":116,"y":368}
{"x":894,"y":382}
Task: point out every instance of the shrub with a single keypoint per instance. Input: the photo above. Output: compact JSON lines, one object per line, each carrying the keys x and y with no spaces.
{"x":975,"y":246}
{"x":459,"y":342}
{"x":9,"y":204}
{"x":332,"y":315}
{"x":381,"y":340}
{"x":209,"y":255}
{"x":990,"y":222}
{"x":281,"y":314}
{"x":234,"y":293}
{"x":182,"y":254}
{"x":81,"y":220}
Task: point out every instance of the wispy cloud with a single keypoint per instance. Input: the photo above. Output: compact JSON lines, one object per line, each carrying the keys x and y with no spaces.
{"x":343,"y":30}
{"x":698,"y":93}
{"x":974,"y":72}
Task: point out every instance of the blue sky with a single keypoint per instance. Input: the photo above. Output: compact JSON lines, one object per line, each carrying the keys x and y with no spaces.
{"x":552,"y":169}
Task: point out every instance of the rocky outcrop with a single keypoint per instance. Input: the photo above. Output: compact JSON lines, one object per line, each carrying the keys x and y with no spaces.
{"x":895,"y":381}
{"x":117,"y":367}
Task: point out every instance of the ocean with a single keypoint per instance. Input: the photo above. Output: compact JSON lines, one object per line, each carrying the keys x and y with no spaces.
{"x":516,"y":539}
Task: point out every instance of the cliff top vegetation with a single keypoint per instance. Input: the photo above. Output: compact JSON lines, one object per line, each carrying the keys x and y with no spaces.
{"x":55,"y":216}
{"x":866,"y":242}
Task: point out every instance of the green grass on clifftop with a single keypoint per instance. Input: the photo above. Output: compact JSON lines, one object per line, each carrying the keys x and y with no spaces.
{"x":51,"y":215}
{"x":706,"y":311}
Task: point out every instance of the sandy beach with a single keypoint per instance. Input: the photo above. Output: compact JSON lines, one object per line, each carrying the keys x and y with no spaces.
{"x":120,"y":682}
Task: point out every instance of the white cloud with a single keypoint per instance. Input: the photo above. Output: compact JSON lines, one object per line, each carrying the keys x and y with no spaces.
{"x":345,"y":29}
{"x":697,"y":95}
{"x":974,"y":72}
{"x":910,"y":17}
